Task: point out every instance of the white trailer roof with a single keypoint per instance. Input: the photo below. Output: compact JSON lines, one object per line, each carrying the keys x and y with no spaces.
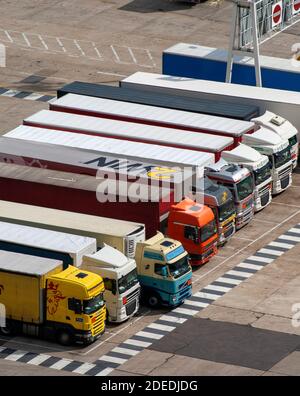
{"x":141,"y":80}
{"x":26,"y":264}
{"x":107,"y":257}
{"x":142,"y":112}
{"x":61,"y":218}
{"x":244,"y":154}
{"x":284,"y":128}
{"x":45,"y":239}
{"x":129,"y":130}
{"x":16,"y":151}
{"x":123,"y":148}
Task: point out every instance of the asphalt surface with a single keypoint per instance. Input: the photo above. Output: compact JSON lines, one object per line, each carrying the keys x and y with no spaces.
{"x":249,"y":330}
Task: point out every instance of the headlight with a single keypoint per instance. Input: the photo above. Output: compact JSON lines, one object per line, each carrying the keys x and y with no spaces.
{"x":174,"y":299}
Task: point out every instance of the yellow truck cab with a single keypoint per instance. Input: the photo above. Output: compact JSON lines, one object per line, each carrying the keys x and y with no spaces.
{"x":83,"y":315}
{"x":41,"y":299}
{"x":164,"y":271}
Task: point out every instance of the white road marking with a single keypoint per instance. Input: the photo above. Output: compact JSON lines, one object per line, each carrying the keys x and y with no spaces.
{"x":33,"y":96}
{"x":15,"y":355}
{"x":186,"y":311}
{"x":271,"y":251}
{"x":61,"y":364}
{"x":112,"y":74}
{"x":36,"y":361}
{"x":139,"y":343}
{"x":230,"y":281}
{"x":159,"y":326}
{"x":289,"y":238}
{"x":240,"y":273}
{"x":147,"y":334}
{"x":250,"y":266}
{"x":104,"y":372}
{"x":261,"y":259}
{"x":282,"y":245}
{"x":172,"y":319}
{"x":295,"y":230}
{"x":209,"y":296}
{"x":218,"y":288}
{"x":11,"y":93}
{"x":112,"y":359}
{"x":84,"y":368}
{"x":125,"y":351}
{"x":196,"y":303}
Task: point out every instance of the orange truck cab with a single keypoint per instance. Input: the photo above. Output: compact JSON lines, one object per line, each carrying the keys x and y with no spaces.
{"x":194,"y":225}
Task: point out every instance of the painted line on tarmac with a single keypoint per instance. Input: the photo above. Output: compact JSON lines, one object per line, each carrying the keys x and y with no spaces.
{"x":35,"y":96}
{"x":168,"y":322}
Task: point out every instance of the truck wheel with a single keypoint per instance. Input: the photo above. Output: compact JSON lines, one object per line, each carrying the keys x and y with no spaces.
{"x":8,"y":330}
{"x":65,"y":337}
{"x":153,"y":300}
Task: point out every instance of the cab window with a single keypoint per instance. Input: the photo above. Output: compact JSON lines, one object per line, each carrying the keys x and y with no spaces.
{"x":191,"y":233}
{"x":160,"y":269}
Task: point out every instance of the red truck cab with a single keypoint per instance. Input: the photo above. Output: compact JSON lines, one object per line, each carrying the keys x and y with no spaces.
{"x":194,"y":225}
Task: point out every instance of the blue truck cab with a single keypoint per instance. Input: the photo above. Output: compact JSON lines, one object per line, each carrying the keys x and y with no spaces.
{"x":164,"y":271}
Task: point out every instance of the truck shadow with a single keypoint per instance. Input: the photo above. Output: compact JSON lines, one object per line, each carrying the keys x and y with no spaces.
{"x":146,"y":6}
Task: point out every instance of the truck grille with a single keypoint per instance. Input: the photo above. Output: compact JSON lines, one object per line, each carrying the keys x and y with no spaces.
{"x":285,"y":182}
{"x":229,"y":231}
{"x":248,"y":214}
{"x":98,"y":325}
{"x":264,"y":199}
{"x":131,"y":248}
{"x":285,"y":172}
{"x":130,"y":308}
{"x":132,"y":300}
{"x":185,"y":292}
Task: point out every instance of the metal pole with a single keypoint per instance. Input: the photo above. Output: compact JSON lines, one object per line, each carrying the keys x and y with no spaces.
{"x":232,"y":44}
{"x":253,"y":10}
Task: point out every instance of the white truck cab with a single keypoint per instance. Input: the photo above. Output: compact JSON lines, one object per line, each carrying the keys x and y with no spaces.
{"x":279,"y":152}
{"x":260,"y":166}
{"x":283,"y":128}
{"x":122,"y":288}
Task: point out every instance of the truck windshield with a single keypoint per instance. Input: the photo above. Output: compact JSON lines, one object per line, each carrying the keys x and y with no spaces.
{"x":179,"y":268}
{"x":245,"y":188}
{"x":282,"y":157}
{"x":208,"y":231}
{"x":262,"y":174}
{"x":92,"y":305}
{"x":293,"y":140}
{"x":127,"y":281}
{"x":226,"y":210}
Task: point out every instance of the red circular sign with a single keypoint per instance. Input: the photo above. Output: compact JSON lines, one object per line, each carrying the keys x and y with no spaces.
{"x":277,"y":13}
{"x":297,"y":5}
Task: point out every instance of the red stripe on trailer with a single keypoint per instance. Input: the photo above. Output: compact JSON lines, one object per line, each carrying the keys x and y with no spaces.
{"x":152,"y":115}
{"x":82,"y":201}
{"x":62,"y":109}
{"x":112,"y":134}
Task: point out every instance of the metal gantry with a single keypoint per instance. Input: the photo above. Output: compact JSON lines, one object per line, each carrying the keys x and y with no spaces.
{"x":253,"y":23}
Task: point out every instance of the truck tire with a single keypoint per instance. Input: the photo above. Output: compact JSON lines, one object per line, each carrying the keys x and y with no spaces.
{"x":65,"y":337}
{"x":8,"y":330}
{"x":153,"y":300}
